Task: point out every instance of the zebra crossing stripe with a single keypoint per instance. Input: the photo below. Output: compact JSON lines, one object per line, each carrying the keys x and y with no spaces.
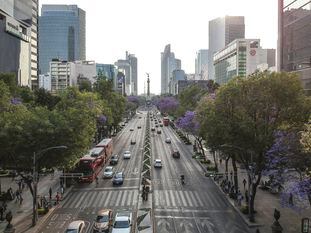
{"x":80,"y":199}
{"x":108,"y":198}
{"x":63,"y":204}
{"x":91,"y":199}
{"x":102,"y":200}
{"x":167,"y":198}
{"x":188,"y":198}
{"x":198,"y":198}
{"x":135,"y":197}
{"x":156,"y":197}
{"x":130,"y":197}
{"x":172,"y":197}
{"x":182,"y":198}
{"x":125,"y":196}
{"x":194,"y":199}
{"x":118,"y":198}
{"x":96,"y":202}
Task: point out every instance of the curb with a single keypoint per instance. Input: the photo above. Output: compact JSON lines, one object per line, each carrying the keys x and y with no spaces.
{"x":248,"y":223}
{"x":44,"y":218}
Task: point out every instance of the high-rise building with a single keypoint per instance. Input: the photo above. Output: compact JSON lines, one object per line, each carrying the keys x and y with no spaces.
{"x":168,"y":64}
{"x":61,"y":34}
{"x":222,"y":31}
{"x":294,"y":39}
{"x":241,"y":58}
{"x":201,"y":64}
{"x":108,"y":70}
{"x":129,"y":68}
{"x":177,"y":75}
{"x":18,"y":39}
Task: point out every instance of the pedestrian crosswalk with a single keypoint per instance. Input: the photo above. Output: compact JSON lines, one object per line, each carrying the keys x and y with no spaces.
{"x":187,"y":199}
{"x":103,"y":199}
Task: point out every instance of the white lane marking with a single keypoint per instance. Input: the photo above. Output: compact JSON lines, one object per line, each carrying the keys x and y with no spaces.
{"x":108,"y":198}
{"x":118,"y":198}
{"x":125,"y":196}
{"x":199,"y":199}
{"x":187,"y":197}
{"x":182,"y":198}
{"x":130,"y":198}
{"x":172,"y":197}
{"x":193,"y":198}
{"x":80,"y":198}
{"x":156,"y":197}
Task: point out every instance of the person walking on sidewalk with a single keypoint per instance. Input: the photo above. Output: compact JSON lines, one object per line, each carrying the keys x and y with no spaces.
{"x":57,"y":198}
{"x":21,"y":200}
{"x":17,"y":194}
{"x":246,"y":197}
{"x":244,"y":183}
{"x":240,"y":198}
{"x":50,"y":193}
{"x":1,"y":213}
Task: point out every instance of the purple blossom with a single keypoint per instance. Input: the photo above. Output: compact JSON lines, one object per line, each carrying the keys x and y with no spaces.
{"x":167,"y":104}
{"x":133,"y":99}
{"x":188,"y":123}
{"x":16,"y":101}
{"x":102,"y":119}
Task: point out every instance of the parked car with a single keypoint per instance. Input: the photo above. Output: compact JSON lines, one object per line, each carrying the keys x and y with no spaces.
{"x":127,"y":154}
{"x":114,"y":159}
{"x":168,"y":140}
{"x":158,"y":131}
{"x":176,"y":154}
{"x":158,"y":163}
{"x":108,"y":172}
{"x":118,"y":178}
{"x":103,"y":221}
{"x":122,"y":222}
{"x":76,"y":227}
{"x":161,"y":125}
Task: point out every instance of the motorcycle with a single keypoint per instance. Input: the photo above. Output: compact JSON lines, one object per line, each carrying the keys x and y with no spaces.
{"x":182,"y":179}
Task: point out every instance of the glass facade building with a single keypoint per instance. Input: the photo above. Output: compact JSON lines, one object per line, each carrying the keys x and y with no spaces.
{"x":62,"y":34}
{"x":294,"y":42}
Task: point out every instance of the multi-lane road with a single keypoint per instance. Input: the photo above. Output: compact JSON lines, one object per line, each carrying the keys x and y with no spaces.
{"x":196,"y":206}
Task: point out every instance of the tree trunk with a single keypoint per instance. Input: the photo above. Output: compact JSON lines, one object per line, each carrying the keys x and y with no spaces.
{"x":235,"y":173}
{"x":199,"y":140}
{"x":252,"y":197}
{"x":227,"y":160}
{"x":215,"y":160}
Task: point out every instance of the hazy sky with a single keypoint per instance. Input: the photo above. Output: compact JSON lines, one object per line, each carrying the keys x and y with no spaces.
{"x":144,"y":27}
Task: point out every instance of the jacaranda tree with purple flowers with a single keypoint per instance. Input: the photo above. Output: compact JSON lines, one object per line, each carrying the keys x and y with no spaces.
{"x":167,"y":105}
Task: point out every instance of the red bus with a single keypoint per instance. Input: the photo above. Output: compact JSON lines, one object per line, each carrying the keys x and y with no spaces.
{"x":166,"y":121}
{"x":91,"y":164}
{"x":107,"y":144}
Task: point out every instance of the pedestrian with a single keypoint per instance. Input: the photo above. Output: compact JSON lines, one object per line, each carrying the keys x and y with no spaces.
{"x":62,"y":190}
{"x":240,"y":198}
{"x":17,"y":193}
{"x":20,"y":185}
{"x":244,"y":183}
{"x":57,"y":198}
{"x":231,"y":175}
{"x":290,"y":199}
{"x":96,"y":178}
{"x":21,"y":200}
{"x":23,"y":186}
{"x":4,"y":205}
{"x":220,"y":161}
{"x":50,"y":193}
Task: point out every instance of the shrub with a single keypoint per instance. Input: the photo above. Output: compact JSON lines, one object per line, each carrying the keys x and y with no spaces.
{"x":244,"y":209}
{"x":42,"y":211}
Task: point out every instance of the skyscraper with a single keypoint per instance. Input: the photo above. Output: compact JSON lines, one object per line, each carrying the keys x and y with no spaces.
{"x":201,"y":64}
{"x":61,"y":34}
{"x":18,"y":39}
{"x":133,"y":63}
{"x":294,"y":39}
{"x":168,"y":64}
{"x":222,"y":31}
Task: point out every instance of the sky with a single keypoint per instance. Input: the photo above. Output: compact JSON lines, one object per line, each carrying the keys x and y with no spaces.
{"x":144,"y":27}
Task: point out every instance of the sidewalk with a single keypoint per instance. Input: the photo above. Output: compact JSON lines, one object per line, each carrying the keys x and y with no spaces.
{"x":23,"y":212}
{"x":265,"y":203}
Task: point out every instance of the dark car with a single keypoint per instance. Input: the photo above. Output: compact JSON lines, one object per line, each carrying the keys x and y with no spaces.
{"x":176,"y":154}
{"x":114,"y":159}
{"x":118,"y":178}
{"x":139,"y":127}
{"x":133,"y":142}
{"x":152,"y":129}
{"x":158,"y":131}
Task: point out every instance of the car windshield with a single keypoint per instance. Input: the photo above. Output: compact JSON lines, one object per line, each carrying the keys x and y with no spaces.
{"x":121,"y":224}
{"x":118,"y":175}
{"x":108,"y":169}
{"x":72,"y":231}
{"x":127,"y":152}
{"x":102,"y":219}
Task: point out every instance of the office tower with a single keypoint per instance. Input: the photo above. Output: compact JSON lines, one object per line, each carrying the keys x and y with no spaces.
{"x":222,"y":31}
{"x":241,"y":57}
{"x":294,"y":39}
{"x":133,"y":63}
{"x":61,"y":34}
{"x":18,"y":40}
{"x":109,"y":71}
{"x":168,"y":64}
{"x":201,"y":64}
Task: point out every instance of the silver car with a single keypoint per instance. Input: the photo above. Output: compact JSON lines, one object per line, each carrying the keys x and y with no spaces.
{"x":108,"y":172}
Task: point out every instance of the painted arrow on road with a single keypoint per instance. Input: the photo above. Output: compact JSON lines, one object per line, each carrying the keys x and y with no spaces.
{"x":206,"y":225}
{"x":165,"y":226}
{"x":187,"y":226}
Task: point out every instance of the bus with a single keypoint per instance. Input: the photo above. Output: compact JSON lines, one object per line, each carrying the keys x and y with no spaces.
{"x":91,"y":164}
{"x":107,"y":144}
{"x":166,"y":121}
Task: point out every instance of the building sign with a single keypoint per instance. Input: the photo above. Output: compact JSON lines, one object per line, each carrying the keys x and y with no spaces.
{"x":13,"y":27}
{"x":252,"y":52}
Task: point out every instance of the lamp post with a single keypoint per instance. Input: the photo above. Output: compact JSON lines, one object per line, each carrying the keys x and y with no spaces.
{"x":37,"y":156}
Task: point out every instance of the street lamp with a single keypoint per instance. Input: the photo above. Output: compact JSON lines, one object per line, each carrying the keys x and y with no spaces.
{"x":37,"y":156}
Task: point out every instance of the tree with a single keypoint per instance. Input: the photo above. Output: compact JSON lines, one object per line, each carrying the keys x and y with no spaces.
{"x":45,"y":99}
{"x":167,"y":105}
{"x":306,"y":137}
{"x":10,"y":80}
{"x":85,"y":85}
{"x":250,"y":110}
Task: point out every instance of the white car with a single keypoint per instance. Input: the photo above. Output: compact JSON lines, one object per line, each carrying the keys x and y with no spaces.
{"x":158,"y":163}
{"x":108,"y":172}
{"x":76,"y":227}
{"x":127,"y":155}
{"x":168,"y":140}
{"x":122,"y":222}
